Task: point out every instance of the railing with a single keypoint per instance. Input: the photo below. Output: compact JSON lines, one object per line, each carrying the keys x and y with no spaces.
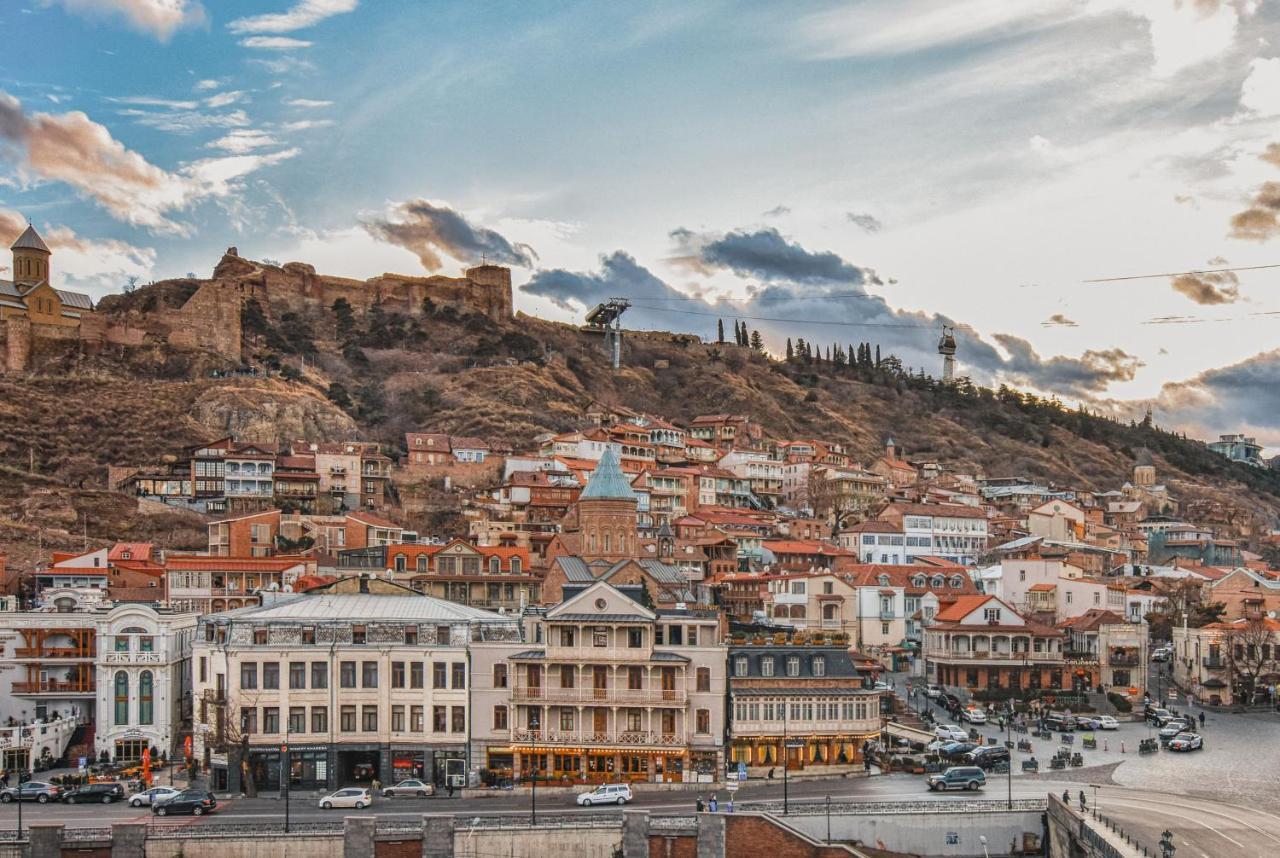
{"x":587,"y":654}
{"x":673,"y":823}
{"x":1124,"y":661}
{"x":84,"y":835}
{"x":1031,"y":658}
{"x":131,"y":657}
{"x":52,"y":652}
{"x":226,"y":830}
{"x":973,"y":806}
{"x":626,"y":737}
{"x":464,"y":822}
{"x":1213,"y":663}
{"x":52,"y":686}
{"x":525,"y":694}
{"x":887,"y":615}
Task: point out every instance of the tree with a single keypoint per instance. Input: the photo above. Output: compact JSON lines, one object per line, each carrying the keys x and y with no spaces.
{"x":757,"y":341}
{"x":343,"y":317}
{"x":130,"y":284}
{"x":790,"y":351}
{"x":719,"y":330}
{"x":1251,"y":650}
{"x":877,"y":355}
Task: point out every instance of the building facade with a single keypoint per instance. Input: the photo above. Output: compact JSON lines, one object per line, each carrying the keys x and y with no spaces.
{"x":981,"y":643}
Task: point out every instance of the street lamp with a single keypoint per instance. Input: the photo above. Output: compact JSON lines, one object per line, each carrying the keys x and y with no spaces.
{"x":1095,"y":800}
{"x":982,"y":838}
{"x":786,"y":757}
{"x":1166,"y":844}
{"x":533,"y":810}
{"x":828,"y":819}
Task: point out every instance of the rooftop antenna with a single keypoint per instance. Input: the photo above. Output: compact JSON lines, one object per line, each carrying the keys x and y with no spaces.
{"x":607,"y":318}
{"x":947,"y":348}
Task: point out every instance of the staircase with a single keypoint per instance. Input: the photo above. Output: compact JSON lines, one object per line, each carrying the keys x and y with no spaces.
{"x":1101,"y":705}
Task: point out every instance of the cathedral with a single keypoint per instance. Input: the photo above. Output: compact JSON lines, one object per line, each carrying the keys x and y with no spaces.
{"x":28,"y":295}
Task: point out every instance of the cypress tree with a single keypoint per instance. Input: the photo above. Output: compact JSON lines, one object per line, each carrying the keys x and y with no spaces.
{"x":877,"y":355}
{"x":757,"y":342}
{"x":720,"y":330}
{"x":790,"y":351}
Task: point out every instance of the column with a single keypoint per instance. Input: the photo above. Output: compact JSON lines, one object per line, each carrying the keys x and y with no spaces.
{"x":437,"y":836}
{"x":45,"y":840}
{"x":635,"y":834}
{"x":129,"y":840}
{"x":357,"y":837}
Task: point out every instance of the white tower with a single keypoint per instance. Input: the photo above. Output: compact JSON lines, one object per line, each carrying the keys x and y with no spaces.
{"x":947,"y":348}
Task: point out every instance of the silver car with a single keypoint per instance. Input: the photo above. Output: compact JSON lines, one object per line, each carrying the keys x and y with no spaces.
{"x":155,"y":795}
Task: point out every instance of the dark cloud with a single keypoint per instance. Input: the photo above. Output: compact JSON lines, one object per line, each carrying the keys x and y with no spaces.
{"x":778,"y":211}
{"x":1085,"y":376}
{"x":429,"y":230}
{"x":1057,"y":320}
{"x":865,"y":222}
{"x":1261,"y":220}
{"x":1241,"y":397}
{"x":766,"y":255}
{"x":619,"y":276}
{"x":1221,"y":287}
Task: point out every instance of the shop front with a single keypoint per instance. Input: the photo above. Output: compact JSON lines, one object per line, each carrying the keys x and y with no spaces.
{"x":308,"y":767}
{"x":607,"y":765}
{"x":408,"y":762}
{"x":449,"y":768}
{"x":264,"y":769}
{"x":801,"y":752}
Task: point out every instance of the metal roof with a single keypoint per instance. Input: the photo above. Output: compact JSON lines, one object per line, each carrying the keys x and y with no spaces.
{"x":599,"y":618}
{"x":30,"y":240}
{"x":354,"y":607}
{"x":608,"y":482}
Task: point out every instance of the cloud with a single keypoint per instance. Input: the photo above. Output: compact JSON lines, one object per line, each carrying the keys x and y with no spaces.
{"x":308,"y":102}
{"x":73,"y":149}
{"x":152,"y":101}
{"x":1057,"y":320}
{"x":305,"y":13}
{"x":1271,"y":154}
{"x":224,"y":99}
{"x":207,"y":84}
{"x":1260,"y":92}
{"x":1209,"y":288}
{"x":778,"y":211}
{"x":865,"y":222}
{"x":92,"y":263}
{"x":274,"y":43}
{"x":1089,"y":374}
{"x":1183,"y":33}
{"x":1241,"y":397}
{"x":241,"y":141}
{"x":1261,"y":220}
{"x":430,"y":229}
{"x":284,"y":64}
{"x":766,"y":255}
{"x":307,"y":124}
{"x":160,"y":18}
{"x":186,"y":121}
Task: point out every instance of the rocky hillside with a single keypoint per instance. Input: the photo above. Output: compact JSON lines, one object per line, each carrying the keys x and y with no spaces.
{"x":336,"y":373}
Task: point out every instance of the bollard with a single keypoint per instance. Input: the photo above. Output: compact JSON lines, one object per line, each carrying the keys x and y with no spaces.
{"x":1104,"y":745}
{"x":1122,"y":747}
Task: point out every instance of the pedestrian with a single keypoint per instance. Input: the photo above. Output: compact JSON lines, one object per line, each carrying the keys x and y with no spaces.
{"x":729,"y":807}
{"x":699,"y":806}
{"x":1082,"y":802}
{"x":771,"y":768}
{"x":713,"y":805}
{"x":377,"y":786}
{"x":1202,"y":720}
{"x":1066,"y":797}
{"x":449,"y":787}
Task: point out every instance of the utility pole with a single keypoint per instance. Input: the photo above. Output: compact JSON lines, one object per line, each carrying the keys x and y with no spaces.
{"x":533,"y":813}
{"x":786,"y":756}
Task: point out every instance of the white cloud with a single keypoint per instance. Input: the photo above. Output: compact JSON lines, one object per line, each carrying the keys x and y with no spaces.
{"x":303,"y":14}
{"x":208,"y":84}
{"x":161,"y":18}
{"x":308,"y":102}
{"x":1183,"y":34}
{"x":1260,"y":92}
{"x":152,"y":101}
{"x":187,"y":121}
{"x":223,"y":99}
{"x":242,"y":141}
{"x":307,"y":124}
{"x":275,"y":43}
{"x":100,"y":262}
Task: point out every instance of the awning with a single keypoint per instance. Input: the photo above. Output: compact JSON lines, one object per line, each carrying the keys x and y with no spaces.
{"x":1214,"y":683}
{"x":911,"y":734}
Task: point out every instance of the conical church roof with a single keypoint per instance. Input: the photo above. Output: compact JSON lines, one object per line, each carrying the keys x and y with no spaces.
{"x":30,"y":240}
{"x":608,"y":482}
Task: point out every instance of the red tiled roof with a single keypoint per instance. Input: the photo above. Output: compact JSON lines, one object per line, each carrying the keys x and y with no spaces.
{"x":135,"y":550}
{"x":805,"y":546}
{"x":940,"y":510}
{"x":370,"y":518}
{"x":961,"y":608}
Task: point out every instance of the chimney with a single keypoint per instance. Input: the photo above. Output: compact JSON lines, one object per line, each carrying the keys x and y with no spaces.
{"x":364,"y":584}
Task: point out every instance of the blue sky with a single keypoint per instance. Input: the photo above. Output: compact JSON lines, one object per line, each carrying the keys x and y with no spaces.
{"x":970,"y":161}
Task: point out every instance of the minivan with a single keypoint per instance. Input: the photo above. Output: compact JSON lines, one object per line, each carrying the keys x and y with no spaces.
{"x":606,"y":794}
{"x":958,"y":777}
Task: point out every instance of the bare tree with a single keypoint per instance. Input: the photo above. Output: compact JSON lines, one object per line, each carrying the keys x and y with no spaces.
{"x":831,"y":498}
{"x":1251,"y":652}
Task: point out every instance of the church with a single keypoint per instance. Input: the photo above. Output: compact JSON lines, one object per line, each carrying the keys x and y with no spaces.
{"x":29,"y":296}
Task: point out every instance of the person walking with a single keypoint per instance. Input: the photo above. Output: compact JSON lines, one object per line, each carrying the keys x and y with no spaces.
{"x":1083,"y":806}
{"x":1202,"y":720}
{"x":377,"y":786}
{"x":698,"y":805}
{"x":1066,"y":797}
{"x":713,"y":805}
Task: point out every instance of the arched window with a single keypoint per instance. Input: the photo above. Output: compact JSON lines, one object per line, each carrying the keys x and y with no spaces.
{"x":422,"y":563}
{"x":957,"y":582}
{"x":146,"y":706}
{"x":515,"y":566}
{"x":606,"y":542}
{"x":122,"y":698}
{"x":591,"y":543}
{"x":495,"y":566}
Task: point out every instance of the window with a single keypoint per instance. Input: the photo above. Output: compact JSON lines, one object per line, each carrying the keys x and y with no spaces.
{"x":499,"y":676}
{"x":358,"y":634}
{"x":992,"y":615}
{"x":459,"y":719}
{"x":819,"y":666}
{"x":635,"y":678}
{"x":439,"y":719}
{"x":309,"y":634}
{"x":499,"y":717}
{"x":566,"y":637}
{"x":397,"y":674}
{"x":675,"y":635}
{"x":515,"y":566}
{"x":260,"y":637}
{"x":567,"y":675}
{"x":249,"y":675}
{"x":411,"y":634}
{"x":828,"y":588}
{"x":248,"y":720}
{"x":297,"y":674}
{"x":600,"y":636}
{"x":146,"y":643}
{"x":146,"y":700}
{"x":416,"y":723}
{"x":793,"y":665}
{"x":459,"y":675}
{"x":884,"y":628}
{"x":319,"y":719}
{"x":122,"y":643}
{"x":416,"y":674}
{"x":704,"y":679}
{"x":369,"y":674}
{"x":297,"y":719}
{"x":319,"y":674}
{"x":635,"y":638}
{"x":397,"y":719}
{"x":439,"y":674}
{"x":347,"y":674}
{"x":702,"y":721}
{"x":442,"y":635}
{"x":566,"y":720}
{"x":271,"y":719}
{"x":740,"y":666}
{"x":766,"y":666}
{"x":1022,"y":574}
{"x":693,"y":635}
{"x":369,"y":719}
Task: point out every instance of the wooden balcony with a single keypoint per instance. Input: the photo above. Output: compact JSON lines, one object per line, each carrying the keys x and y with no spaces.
{"x":601,"y":696}
{"x":53,"y":686}
{"x":52,"y":652}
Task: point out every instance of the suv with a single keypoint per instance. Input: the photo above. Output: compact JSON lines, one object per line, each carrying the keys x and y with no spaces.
{"x":958,"y":777}
{"x":1174,"y":726}
{"x":987,"y":757}
{"x":37,"y":791}
{"x":1059,"y":723}
{"x":1159,"y":717}
{"x":98,"y":793}
{"x":933,"y":691}
{"x":606,"y":794}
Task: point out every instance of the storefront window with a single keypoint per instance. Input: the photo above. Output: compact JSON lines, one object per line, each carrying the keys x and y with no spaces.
{"x":408,"y":764}
{"x":308,"y":769}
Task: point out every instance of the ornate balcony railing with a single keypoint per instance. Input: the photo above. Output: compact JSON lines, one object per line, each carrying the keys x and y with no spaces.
{"x":637,"y":738}
{"x":602,"y":696}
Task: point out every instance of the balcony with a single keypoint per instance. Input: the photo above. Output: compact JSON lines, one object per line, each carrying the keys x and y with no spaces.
{"x":627,"y":738}
{"x":887,"y":615}
{"x":1124,"y":661}
{"x":587,"y":654}
{"x":53,"y":686}
{"x":132,"y":657}
{"x":601,"y":696}
{"x":52,"y":652}
{"x":988,"y":655}
{"x":1213,"y":663}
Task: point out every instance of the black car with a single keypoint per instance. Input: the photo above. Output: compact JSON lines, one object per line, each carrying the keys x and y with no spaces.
{"x":196,"y":802}
{"x":987,"y":757}
{"x":96,"y":793}
{"x":949,"y":701}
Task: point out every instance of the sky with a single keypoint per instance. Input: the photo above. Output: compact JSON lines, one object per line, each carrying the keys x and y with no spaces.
{"x":841,"y":172}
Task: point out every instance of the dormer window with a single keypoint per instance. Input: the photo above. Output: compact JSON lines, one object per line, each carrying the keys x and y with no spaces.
{"x":793,"y":665}
{"x":937,"y":580}
{"x":819,"y":666}
{"x":884,"y":580}
{"x":766,"y":666}
{"x":740,"y":666}
{"x":957,"y":582}
{"x":917,"y":581}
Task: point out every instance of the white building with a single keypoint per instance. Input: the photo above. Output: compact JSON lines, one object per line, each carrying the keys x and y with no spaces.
{"x":954,"y":532}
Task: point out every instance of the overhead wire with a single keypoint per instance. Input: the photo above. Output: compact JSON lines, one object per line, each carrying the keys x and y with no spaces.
{"x":800,"y":321}
{"x":1180,"y":273}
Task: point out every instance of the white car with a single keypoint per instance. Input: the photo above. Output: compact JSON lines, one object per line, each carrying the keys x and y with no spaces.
{"x":606,"y":794}
{"x":973,"y":716}
{"x":155,"y":795}
{"x":951,"y":733}
{"x":1102,"y":722}
{"x":418,"y":788}
{"x":933,"y":692}
{"x":882,"y":686}
{"x":357,"y":797}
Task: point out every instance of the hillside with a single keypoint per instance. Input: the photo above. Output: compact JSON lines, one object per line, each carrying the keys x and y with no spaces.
{"x":336,"y":374}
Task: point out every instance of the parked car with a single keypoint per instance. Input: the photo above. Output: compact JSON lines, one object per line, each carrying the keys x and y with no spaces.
{"x":1059,"y":723}
{"x":357,"y":797}
{"x":606,"y":794}
{"x":1174,"y":726}
{"x":155,"y":795}
{"x":949,"y":700}
{"x":37,"y":791}
{"x":1186,"y":742}
{"x":883,"y":686}
{"x":987,"y":757}
{"x":418,"y":788}
{"x":973,"y":715}
{"x":952,"y":732}
{"x":1099,"y":722}
{"x":953,"y":750}
{"x":933,"y":691}
{"x":1156,"y":716}
{"x":958,"y":777}
{"x":104,"y":793}
{"x":196,"y":802}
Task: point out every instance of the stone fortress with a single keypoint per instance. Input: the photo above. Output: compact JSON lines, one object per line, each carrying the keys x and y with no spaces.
{"x":39,"y":324}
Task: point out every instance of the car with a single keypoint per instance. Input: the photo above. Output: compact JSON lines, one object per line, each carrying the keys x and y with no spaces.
{"x":420,"y":789}
{"x":1186,"y":742}
{"x":196,"y":802}
{"x":958,"y":777}
{"x":606,"y":794}
{"x":1174,"y":726}
{"x":1157,"y":716}
{"x":957,"y":749}
{"x":948,"y":700}
{"x":104,"y":793}
{"x":155,"y":795}
{"x":933,"y":691}
{"x":37,"y":791}
{"x":357,"y":797}
{"x":1059,"y":723}
{"x":1099,"y":722}
{"x":988,"y":756}
{"x":937,"y":745}
{"x":973,"y":715}
{"x":952,"y":732}
{"x":883,"y":686}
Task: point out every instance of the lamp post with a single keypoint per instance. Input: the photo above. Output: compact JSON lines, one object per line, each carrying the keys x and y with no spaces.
{"x":786,"y":757}
{"x":982,"y":838}
{"x":1008,"y":736}
{"x":828,"y":819}
{"x":533,"y":809}
{"x":1095,"y":800}
{"x":1166,"y":844}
